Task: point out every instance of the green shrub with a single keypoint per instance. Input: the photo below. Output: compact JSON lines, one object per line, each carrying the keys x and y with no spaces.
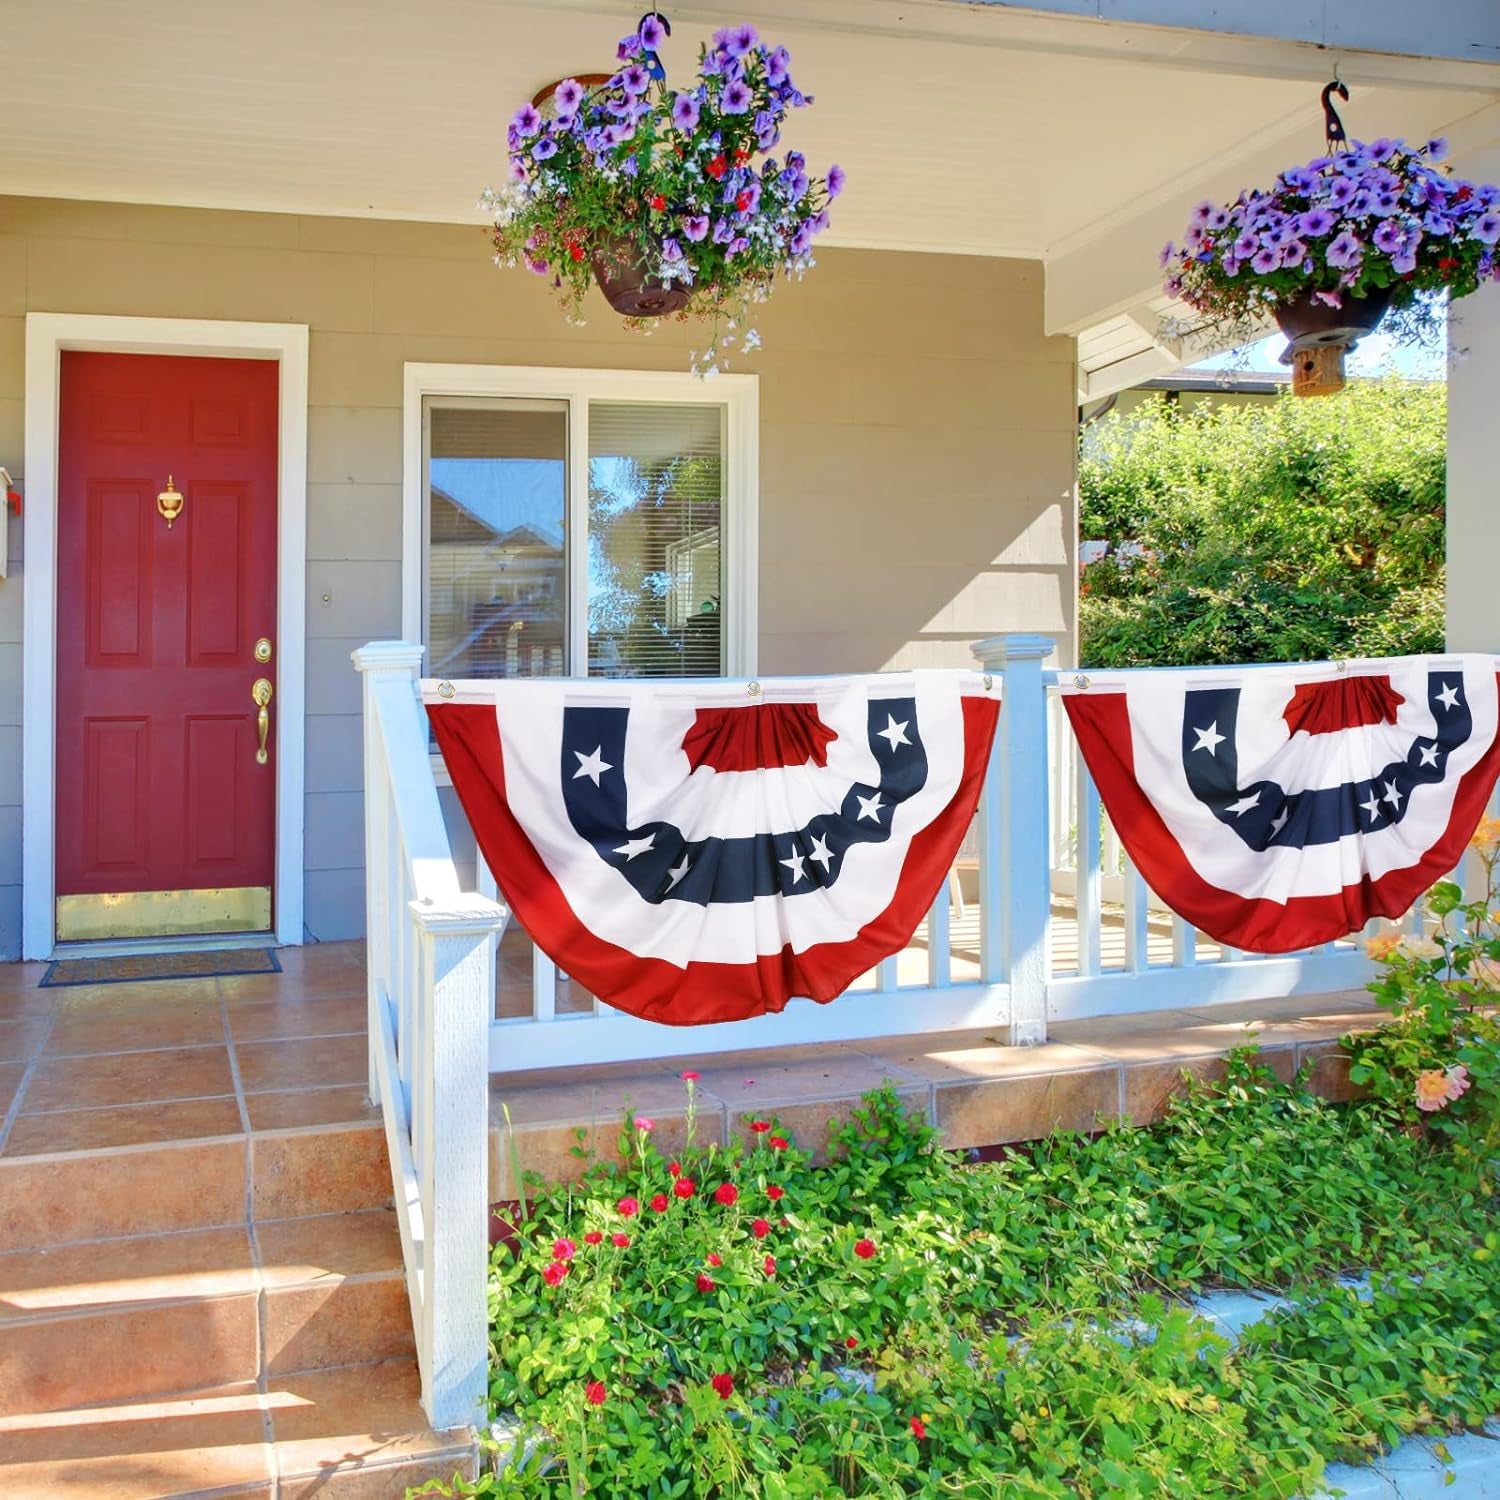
{"x":1294,"y":530}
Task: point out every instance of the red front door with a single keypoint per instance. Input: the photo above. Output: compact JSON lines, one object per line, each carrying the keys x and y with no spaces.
{"x":165,"y":813}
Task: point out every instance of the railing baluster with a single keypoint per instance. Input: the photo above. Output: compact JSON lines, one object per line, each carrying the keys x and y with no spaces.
{"x":1086,"y":900}
{"x":1184,"y":943}
{"x":1137,"y":913}
{"x":543,"y":986}
{"x":888,"y":974}
{"x":940,"y":939}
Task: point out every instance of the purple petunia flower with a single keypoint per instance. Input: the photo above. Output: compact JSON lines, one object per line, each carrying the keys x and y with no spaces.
{"x":778,"y":66}
{"x":737,"y":246}
{"x":544,"y":148}
{"x":820,"y":221}
{"x":695,"y":227}
{"x":670,"y":249}
{"x":735,"y":100}
{"x":635,"y":79}
{"x":1172,"y":286}
{"x":723,"y":232}
{"x":1486,"y":228}
{"x":1332,"y":299}
{"x":1217,"y":220}
{"x":1266,"y":261}
{"x":1386,"y":203}
{"x":653,"y":33}
{"x":1293,"y":253}
{"x":685,"y":111}
{"x":1382,"y":149}
{"x":630,"y":46}
{"x":1246,"y":245}
{"x":1437,"y":148}
{"x":836,"y":186}
{"x":527,"y":121}
{"x":1435,"y":221}
{"x":1404,"y":261}
{"x":568,"y":95}
{"x":767,"y":132}
{"x":1231,"y":266}
{"x":1389,"y":237}
{"x":1167,"y":252}
{"x":1346,"y":251}
{"x":1340,"y":191}
{"x":738,"y":40}
{"x":1201,"y":213}
{"x":802,"y":241}
{"x":1317,"y":222}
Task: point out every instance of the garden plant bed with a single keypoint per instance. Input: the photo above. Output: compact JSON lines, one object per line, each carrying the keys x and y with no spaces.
{"x":740,"y":1321}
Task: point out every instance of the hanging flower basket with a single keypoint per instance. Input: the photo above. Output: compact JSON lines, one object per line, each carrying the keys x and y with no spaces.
{"x":1364,"y":236}
{"x":670,"y":200}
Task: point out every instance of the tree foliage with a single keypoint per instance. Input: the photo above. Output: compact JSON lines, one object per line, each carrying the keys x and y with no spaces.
{"x":1295,"y":530}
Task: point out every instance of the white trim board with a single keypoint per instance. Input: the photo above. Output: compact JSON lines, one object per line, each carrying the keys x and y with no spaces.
{"x":738,"y":394}
{"x":47,"y":335}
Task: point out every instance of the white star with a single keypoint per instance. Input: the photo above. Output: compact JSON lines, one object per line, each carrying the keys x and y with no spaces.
{"x":794,"y":864}
{"x":592,"y":766}
{"x":1279,"y":822}
{"x":894,"y":732}
{"x":1209,"y":739}
{"x":821,"y":852}
{"x":1449,"y":695}
{"x":1244,"y":804}
{"x":677,"y":872}
{"x":1428,"y":753}
{"x":1372,"y":806}
{"x":636,"y":846}
{"x":1392,"y":795}
{"x":869,"y":807}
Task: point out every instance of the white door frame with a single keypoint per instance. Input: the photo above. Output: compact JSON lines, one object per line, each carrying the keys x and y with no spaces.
{"x":47,"y":335}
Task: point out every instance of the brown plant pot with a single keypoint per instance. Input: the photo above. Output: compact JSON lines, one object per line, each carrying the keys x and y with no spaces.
{"x":1321,"y":336}
{"x":629,"y":288}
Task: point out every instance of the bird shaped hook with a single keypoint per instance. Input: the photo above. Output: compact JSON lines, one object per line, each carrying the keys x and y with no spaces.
{"x":1336,"y":134}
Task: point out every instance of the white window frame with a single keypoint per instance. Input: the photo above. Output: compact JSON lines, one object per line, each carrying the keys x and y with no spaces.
{"x":739,"y":395}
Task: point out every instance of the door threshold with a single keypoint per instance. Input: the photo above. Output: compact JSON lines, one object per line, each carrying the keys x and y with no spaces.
{"x":124,"y":947}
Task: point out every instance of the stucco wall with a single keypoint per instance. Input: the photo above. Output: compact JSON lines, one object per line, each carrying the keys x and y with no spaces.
{"x":917,"y":447}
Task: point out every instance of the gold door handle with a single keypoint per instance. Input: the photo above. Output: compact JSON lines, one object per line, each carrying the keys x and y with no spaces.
{"x":260,"y":695}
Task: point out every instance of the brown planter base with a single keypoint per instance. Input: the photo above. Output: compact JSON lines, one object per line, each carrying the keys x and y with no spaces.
{"x":629,"y":289}
{"x":1320,"y":336}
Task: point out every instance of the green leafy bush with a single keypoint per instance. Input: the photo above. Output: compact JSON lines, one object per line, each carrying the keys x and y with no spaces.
{"x":1016,"y":1328}
{"x":1289,"y":531}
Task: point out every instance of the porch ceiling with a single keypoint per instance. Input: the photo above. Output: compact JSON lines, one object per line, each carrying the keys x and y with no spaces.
{"x":972,"y":129}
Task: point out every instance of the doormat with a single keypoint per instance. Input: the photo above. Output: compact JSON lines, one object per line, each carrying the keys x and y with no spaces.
{"x":197,"y":963}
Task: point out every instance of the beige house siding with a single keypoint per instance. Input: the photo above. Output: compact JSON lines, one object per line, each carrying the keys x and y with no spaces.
{"x":917,"y":444}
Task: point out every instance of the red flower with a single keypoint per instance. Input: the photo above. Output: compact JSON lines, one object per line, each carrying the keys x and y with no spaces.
{"x":658,"y":202}
{"x":689,"y":1076}
{"x":783,"y":1221}
{"x":1449,"y":263}
{"x":575,"y":250}
{"x":593,"y":1237}
{"x":770,"y":1265}
{"x":918,"y":1429}
{"x":775,"y":1192}
{"x":742,"y":202}
{"x":563,"y":1249}
{"x":717,"y":168}
{"x":864,"y":1249}
{"x":554,"y":1273}
{"x":594,"y":1393}
{"x":684,"y":1187}
{"x":674,"y":1169}
{"x":1463,"y":194}
{"x":627,"y":1208}
{"x":705,"y":1282}
{"x":760,"y":1228}
{"x":727,"y":1194}
{"x":741,"y":156}
{"x":723,"y":1386}
{"x":619,"y":1241}
{"x":714,"y":1258}
{"x":760,"y":1127}
{"x":851,"y":1342}
{"x":778,"y":1143}
{"x":658,"y":1204}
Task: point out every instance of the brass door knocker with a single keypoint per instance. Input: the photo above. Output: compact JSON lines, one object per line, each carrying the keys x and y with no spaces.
{"x":169,"y":502}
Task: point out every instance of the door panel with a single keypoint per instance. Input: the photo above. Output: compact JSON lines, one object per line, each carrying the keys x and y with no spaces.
{"x":158,"y":789}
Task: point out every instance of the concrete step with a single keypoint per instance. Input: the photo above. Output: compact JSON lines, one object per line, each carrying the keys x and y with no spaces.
{"x":354,"y":1433}
{"x":112,"y":1320}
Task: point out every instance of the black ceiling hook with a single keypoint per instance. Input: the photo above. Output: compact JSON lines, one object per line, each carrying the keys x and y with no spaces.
{"x":1336,"y":134}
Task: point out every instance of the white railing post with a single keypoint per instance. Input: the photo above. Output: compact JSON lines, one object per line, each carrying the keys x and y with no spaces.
{"x":1017,"y":936}
{"x":378,"y":663}
{"x":456,"y":985}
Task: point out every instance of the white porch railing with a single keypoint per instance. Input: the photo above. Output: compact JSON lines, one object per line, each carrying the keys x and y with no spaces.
{"x":431,"y":985}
